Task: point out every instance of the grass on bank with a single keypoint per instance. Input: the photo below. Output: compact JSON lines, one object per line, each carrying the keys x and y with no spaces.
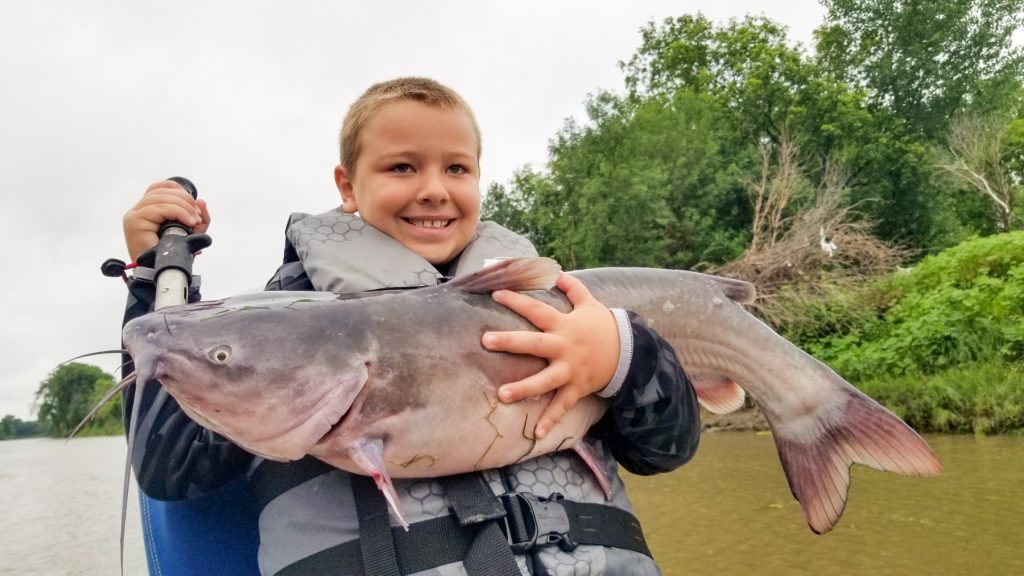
{"x":979,"y":398}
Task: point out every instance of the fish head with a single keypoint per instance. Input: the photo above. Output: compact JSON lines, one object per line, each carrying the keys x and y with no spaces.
{"x":272,"y":372}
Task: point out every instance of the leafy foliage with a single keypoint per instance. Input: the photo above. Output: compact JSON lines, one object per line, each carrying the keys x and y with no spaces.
{"x":653,"y":183}
{"x":66,"y":396}
{"x":965,"y":305}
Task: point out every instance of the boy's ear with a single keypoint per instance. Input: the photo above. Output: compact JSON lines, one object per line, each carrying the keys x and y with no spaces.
{"x":344,"y":183}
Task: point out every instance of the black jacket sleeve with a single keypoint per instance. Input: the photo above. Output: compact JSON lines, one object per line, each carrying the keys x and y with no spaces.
{"x":653,"y":423}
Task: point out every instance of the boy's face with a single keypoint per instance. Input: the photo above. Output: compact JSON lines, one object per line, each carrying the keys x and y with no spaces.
{"x":417,"y":178}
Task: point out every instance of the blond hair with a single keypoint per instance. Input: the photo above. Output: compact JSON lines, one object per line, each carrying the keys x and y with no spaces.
{"x":379,"y":95}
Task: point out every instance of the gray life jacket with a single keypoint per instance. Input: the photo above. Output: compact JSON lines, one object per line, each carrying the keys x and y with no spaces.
{"x":342,"y":253}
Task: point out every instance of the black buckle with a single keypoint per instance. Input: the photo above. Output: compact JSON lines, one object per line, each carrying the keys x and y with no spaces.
{"x":536,"y":521}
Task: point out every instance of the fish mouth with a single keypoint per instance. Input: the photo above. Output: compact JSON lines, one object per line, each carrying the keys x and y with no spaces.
{"x":337,"y":428}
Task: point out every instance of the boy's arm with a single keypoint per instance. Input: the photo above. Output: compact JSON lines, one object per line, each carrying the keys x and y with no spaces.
{"x":653,"y":423}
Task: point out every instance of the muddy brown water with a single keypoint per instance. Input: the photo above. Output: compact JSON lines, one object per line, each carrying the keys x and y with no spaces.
{"x":727,"y":512}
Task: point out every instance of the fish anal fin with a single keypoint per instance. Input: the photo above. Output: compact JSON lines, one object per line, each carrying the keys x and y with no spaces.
{"x":589,"y":453}
{"x":368,"y":454}
{"x":518,"y":274}
{"x":717,"y":393}
{"x":817,"y":465}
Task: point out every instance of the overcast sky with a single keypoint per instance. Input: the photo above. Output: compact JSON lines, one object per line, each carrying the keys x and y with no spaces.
{"x":100,"y":98}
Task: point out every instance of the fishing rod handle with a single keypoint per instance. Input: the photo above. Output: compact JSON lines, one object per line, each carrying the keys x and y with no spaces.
{"x":174,"y":251}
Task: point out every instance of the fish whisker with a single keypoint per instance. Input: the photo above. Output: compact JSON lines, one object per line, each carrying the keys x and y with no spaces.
{"x":93,"y":354}
{"x":128,"y":381}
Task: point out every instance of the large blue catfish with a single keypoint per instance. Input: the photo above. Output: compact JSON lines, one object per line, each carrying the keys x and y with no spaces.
{"x":396,"y":384}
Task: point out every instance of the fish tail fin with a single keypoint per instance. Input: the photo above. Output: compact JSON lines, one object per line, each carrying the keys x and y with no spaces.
{"x":817,"y":465}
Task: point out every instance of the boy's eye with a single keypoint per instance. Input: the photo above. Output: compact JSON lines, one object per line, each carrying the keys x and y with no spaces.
{"x":402,"y":168}
{"x":457,"y":169}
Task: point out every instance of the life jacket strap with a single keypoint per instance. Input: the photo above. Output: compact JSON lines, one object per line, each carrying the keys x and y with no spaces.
{"x":526,"y":522}
{"x":480,"y":514}
{"x":376,"y":542}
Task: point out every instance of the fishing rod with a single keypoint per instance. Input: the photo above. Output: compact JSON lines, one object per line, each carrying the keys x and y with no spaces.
{"x":171,"y":261}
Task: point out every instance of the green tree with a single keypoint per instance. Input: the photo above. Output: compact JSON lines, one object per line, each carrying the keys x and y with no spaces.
{"x":918,"y":63}
{"x":747,"y":65}
{"x":13,"y":427}
{"x":67,"y":395}
{"x":925,"y":60}
{"x":650,"y":182}
{"x":8,"y":427}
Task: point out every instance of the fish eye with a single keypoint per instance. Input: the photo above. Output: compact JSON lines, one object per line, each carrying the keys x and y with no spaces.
{"x":220,"y":354}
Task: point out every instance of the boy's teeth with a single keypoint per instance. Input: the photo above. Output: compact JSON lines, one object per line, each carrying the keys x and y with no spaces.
{"x":430,"y":223}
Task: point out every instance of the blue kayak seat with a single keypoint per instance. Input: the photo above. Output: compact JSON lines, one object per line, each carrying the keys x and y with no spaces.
{"x":217,"y":533}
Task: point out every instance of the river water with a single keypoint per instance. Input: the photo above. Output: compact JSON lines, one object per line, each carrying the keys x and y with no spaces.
{"x":727,"y":512}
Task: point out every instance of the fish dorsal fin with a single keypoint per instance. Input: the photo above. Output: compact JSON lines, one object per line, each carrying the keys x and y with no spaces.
{"x":518,"y":274}
{"x":738,"y":291}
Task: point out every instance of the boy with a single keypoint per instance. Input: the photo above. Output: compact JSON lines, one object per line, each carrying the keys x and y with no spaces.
{"x":410,"y":153}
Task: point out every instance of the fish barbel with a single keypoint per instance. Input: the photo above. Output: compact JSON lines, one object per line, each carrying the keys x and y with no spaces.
{"x":396,"y":384}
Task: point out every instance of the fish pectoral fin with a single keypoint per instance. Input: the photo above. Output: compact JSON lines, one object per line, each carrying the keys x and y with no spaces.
{"x":589,"y":452}
{"x":368,"y":454}
{"x":518,"y":274}
{"x":717,"y":393}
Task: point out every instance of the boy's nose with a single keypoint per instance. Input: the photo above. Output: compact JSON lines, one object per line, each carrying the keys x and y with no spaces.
{"x":432,"y":191}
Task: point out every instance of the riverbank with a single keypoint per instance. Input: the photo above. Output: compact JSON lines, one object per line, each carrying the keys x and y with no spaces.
{"x":745,"y":419}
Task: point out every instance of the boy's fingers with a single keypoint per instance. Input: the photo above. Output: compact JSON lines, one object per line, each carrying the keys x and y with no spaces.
{"x":163,"y":197}
{"x":164,"y":184}
{"x":159,"y":213}
{"x":542,"y":382}
{"x":536,"y":312}
{"x":575,"y":291}
{"x":538,"y":344}
{"x":563,"y":401}
{"x":204,"y":217}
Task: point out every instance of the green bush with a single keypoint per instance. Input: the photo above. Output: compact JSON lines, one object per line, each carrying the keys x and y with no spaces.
{"x":962,"y":306}
{"x":940,"y":345}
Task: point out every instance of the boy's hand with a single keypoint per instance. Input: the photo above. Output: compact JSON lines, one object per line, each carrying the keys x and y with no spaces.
{"x":164,"y":200}
{"x":582,"y":349}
